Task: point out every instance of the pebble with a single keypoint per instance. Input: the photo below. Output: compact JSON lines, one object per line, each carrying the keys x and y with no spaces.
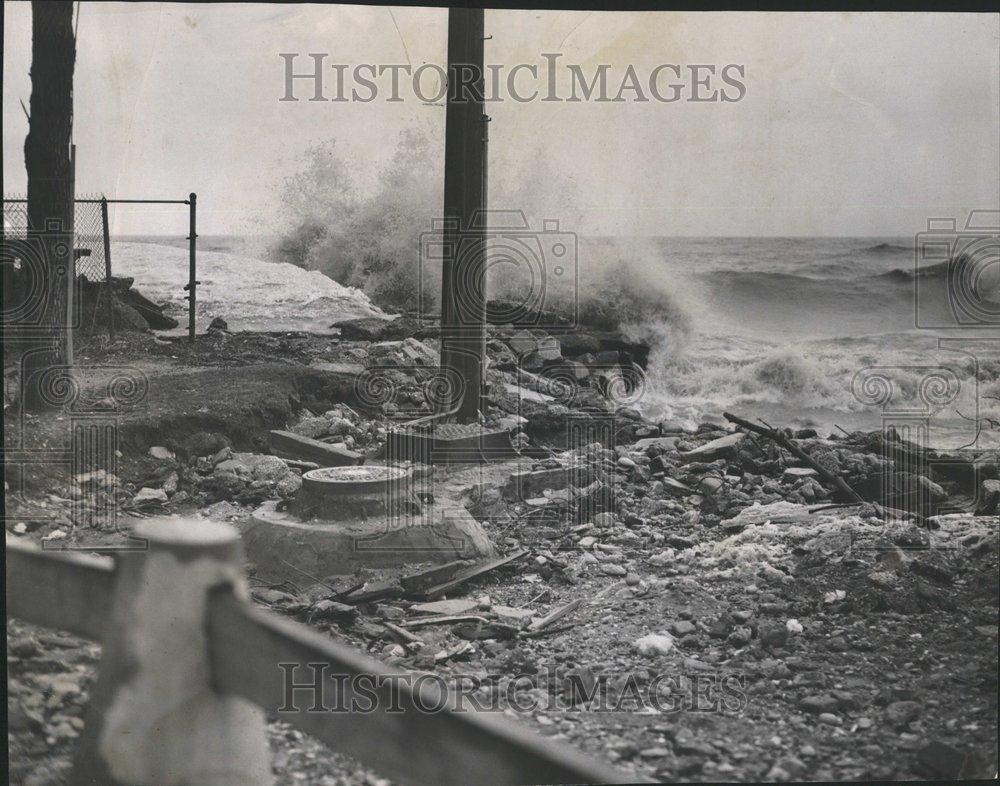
{"x":829,"y":719}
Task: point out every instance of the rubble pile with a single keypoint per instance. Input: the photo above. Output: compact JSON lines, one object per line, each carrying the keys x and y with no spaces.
{"x":846,"y":582}
{"x":130,"y":309}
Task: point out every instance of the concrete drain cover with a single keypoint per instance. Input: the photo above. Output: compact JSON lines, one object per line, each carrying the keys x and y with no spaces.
{"x":365,"y":479}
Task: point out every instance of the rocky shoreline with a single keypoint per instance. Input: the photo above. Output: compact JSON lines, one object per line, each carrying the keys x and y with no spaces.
{"x":830,"y":637}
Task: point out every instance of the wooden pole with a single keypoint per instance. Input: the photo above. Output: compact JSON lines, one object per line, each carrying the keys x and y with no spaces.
{"x":463,"y":284}
{"x":192,"y":265}
{"x":48,"y":162}
{"x":154,"y":716}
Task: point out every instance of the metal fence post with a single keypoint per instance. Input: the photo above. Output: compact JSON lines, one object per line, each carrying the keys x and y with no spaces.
{"x":107,"y":268}
{"x":193,"y":271}
{"x":155,"y":717}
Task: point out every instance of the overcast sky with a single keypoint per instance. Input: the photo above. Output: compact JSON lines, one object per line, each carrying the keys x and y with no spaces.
{"x":852,"y":124}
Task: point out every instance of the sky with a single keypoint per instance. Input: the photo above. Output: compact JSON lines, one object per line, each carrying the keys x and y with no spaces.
{"x":852,"y":124}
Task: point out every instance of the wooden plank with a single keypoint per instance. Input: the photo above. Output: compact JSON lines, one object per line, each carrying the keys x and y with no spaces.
{"x":410,"y":746}
{"x":59,"y":589}
{"x":285,"y":443}
{"x":471,"y":572}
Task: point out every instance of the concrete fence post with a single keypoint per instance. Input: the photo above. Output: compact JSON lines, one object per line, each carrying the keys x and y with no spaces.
{"x":154,"y":718}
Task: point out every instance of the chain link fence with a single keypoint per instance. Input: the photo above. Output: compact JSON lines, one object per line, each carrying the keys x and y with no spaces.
{"x":88,"y":231}
{"x":100,"y":305}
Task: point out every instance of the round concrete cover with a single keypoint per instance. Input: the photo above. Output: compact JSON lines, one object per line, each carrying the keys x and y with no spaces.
{"x":370,"y":478}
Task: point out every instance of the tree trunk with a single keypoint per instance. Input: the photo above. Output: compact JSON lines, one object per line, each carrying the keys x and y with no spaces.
{"x":47,"y":158}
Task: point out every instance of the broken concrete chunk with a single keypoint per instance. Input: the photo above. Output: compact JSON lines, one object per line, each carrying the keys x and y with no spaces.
{"x":512,"y":613}
{"x":723,"y":447}
{"x":448,"y":607}
{"x":150,"y":495}
{"x":284,"y":443}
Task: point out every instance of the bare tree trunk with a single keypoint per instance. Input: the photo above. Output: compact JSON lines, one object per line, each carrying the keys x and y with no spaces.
{"x":50,"y":183}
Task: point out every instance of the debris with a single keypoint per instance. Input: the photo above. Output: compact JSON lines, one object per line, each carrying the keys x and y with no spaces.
{"x":795,"y":450}
{"x":467,"y":574}
{"x":655,"y":644}
{"x":161,"y":453}
{"x":423,"y":579}
{"x":285,"y":443}
{"x":722,"y":447}
{"x":457,"y":606}
{"x":443,"y":620}
{"x":555,"y":615}
{"x":512,"y":613}
{"x":145,"y":495}
{"x":410,"y":641}
{"x":332,"y":610}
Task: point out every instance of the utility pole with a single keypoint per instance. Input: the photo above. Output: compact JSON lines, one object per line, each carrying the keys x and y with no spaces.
{"x":463,"y":284}
{"x":49,"y":164}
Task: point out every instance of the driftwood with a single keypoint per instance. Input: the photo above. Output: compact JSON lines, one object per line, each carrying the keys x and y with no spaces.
{"x":830,"y":477}
{"x":433,"y":593}
{"x":776,"y":436}
{"x":555,"y":615}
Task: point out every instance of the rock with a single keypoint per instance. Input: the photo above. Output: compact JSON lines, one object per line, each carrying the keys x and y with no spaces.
{"x":332,"y":610}
{"x":633,"y":579}
{"x":271,"y":596}
{"x":989,"y":498}
{"x":218,"y":323}
{"x":232,"y":467}
{"x":793,"y":626}
{"x":171,"y":483}
{"x":899,"y":713}
{"x":604,"y":520}
{"x":288,"y":486}
{"x":772,"y":635}
{"x":222,"y":455}
{"x":362,"y":329}
{"x":613,"y":570}
{"x":932,"y":569}
{"x":829,"y":719}
{"x":817,"y":705}
{"x":150,"y":495}
{"x":682,"y":628}
{"x":311,"y":427}
{"x":723,"y":447}
{"x":710,"y":485}
{"x":793,"y":474}
{"x":269,"y":468}
{"x":663,"y":558}
{"x":161,"y":453}
{"x":944,"y":760}
{"x":654,"y":644}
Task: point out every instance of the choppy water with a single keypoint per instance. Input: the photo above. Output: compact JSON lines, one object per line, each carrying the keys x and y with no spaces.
{"x":821,"y":331}
{"x":798,"y":331}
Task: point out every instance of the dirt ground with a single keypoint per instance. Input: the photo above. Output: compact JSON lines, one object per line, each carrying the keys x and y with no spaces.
{"x":802,"y":646}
